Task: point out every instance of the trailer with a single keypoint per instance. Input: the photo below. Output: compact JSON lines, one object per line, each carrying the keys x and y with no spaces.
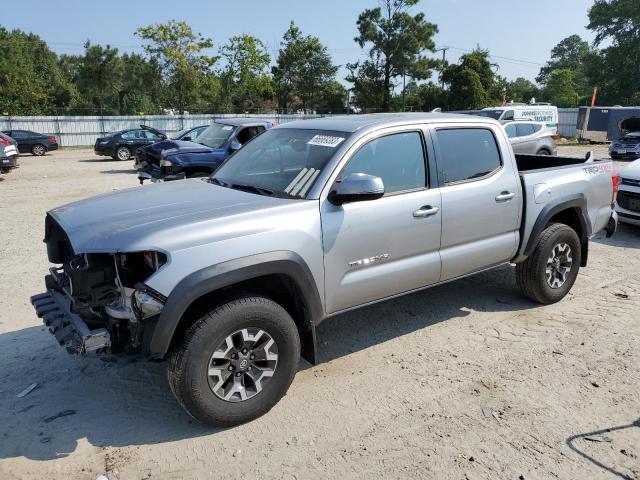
{"x":606,"y":124}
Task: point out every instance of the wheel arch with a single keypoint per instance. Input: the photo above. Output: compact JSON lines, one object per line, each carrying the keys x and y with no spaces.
{"x":570,"y":210}
{"x":282,"y":276}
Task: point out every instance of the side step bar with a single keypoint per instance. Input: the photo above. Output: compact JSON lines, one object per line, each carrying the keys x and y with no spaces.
{"x":69,"y":329}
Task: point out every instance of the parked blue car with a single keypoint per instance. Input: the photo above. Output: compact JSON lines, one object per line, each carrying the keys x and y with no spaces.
{"x":176,"y":159}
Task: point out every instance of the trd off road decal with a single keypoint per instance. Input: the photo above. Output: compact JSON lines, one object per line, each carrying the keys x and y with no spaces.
{"x":597,"y":169}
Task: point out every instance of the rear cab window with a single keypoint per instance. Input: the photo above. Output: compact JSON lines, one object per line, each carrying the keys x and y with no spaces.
{"x":466,"y":154}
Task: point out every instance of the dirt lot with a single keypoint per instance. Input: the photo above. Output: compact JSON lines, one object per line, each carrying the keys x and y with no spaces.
{"x":464,"y":381}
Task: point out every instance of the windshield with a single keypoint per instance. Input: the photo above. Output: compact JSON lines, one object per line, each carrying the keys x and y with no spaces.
{"x":495,"y":114}
{"x":177,"y":135}
{"x":215,"y":135}
{"x":282,"y":162}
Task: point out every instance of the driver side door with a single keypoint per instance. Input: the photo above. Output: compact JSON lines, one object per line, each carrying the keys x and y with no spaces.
{"x":380,"y":248}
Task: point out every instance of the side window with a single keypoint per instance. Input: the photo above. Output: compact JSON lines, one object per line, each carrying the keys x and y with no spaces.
{"x":467,"y":153}
{"x":509,"y":115}
{"x":537,"y":128}
{"x":247,"y":134}
{"x":19,"y":134}
{"x":511,"y":130}
{"x":150,"y":135}
{"x":524,"y":129}
{"x":130,"y":135}
{"x":398,"y":159}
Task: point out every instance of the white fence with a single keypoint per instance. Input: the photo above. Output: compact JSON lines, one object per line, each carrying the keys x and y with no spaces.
{"x":568,"y":118}
{"x":83,"y":131}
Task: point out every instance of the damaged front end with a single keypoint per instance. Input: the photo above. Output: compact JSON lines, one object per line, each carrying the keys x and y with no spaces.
{"x":98,"y":302}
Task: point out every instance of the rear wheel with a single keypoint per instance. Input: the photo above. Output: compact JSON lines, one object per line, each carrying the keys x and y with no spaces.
{"x":544,"y":151}
{"x":551,"y":270}
{"x":38,"y":150}
{"x":235,"y":362}
{"x":123,"y":153}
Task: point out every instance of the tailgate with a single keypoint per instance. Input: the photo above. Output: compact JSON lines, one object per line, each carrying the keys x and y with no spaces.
{"x":586,"y":186}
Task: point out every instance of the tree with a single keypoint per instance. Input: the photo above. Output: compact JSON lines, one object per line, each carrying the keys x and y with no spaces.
{"x":368,"y":81}
{"x":244,"y":77}
{"x":617,"y":22}
{"x":561,"y":88}
{"x":521,"y":90}
{"x":397,"y":42}
{"x":472,"y":82}
{"x":332,"y":98}
{"x":32,"y":81}
{"x":303,"y":70}
{"x":181,"y":56}
{"x":568,"y":54}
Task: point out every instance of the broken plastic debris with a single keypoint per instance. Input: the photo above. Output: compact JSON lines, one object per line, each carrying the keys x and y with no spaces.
{"x":27,"y":390}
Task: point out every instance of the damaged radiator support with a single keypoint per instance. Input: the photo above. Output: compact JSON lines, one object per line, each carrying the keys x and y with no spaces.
{"x":69,"y":329}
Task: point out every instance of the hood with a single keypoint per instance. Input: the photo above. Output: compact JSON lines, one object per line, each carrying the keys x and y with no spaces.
{"x":631,"y":171}
{"x":165,"y":216}
{"x":170,"y":147}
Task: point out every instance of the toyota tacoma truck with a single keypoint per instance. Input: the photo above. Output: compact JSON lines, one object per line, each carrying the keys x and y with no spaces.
{"x":227,"y":277}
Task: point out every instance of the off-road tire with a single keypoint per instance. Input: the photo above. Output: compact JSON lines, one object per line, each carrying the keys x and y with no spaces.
{"x":531,"y":274}
{"x":123,"y":154}
{"x":189,"y":361}
{"x":38,"y":150}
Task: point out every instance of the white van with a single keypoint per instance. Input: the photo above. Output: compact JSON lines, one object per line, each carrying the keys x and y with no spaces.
{"x":537,"y":112}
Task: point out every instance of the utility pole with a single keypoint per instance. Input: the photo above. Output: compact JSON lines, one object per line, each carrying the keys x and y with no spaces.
{"x":444,"y":61}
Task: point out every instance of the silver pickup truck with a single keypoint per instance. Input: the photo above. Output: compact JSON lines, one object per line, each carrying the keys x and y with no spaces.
{"x":227,"y":277}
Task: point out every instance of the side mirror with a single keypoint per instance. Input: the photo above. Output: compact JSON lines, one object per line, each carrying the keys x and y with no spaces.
{"x":186,"y":139}
{"x":235,"y":146}
{"x":357,"y":187}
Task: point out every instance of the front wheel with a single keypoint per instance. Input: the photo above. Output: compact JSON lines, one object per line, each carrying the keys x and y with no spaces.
{"x":235,"y":362}
{"x":551,"y":270}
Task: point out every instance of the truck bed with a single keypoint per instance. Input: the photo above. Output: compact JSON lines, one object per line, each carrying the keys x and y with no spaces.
{"x":527,"y":163}
{"x":549,"y":181}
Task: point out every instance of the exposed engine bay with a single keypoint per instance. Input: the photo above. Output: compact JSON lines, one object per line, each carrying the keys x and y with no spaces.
{"x":98,"y":302}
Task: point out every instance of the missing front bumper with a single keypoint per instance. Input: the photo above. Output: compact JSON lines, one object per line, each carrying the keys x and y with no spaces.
{"x":69,"y":329}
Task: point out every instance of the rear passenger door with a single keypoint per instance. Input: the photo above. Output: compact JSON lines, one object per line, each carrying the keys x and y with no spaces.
{"x":481,"y":199}
{"x":527,"y":140}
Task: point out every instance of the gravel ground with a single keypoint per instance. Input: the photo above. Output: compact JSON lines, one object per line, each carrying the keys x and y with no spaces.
{"x":463,"y":381}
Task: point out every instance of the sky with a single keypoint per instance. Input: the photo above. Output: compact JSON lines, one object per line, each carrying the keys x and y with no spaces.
{"x":519,"y":34}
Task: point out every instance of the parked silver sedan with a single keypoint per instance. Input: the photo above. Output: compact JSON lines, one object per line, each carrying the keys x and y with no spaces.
{"x":533,"y":138}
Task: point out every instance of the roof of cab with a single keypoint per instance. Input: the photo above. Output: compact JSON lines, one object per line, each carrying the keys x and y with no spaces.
{"x":353,"y":123}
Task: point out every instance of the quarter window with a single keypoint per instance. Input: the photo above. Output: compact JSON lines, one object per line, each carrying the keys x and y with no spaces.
{"x":398,"y":159}
{"x":467,"y":153}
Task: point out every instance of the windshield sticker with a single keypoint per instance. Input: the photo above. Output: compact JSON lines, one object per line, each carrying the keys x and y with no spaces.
{"x":227,"y":127}
{"x":325,"y":141}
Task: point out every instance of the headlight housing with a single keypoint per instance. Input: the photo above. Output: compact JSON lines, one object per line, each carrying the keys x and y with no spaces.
{"x":166,"y":163}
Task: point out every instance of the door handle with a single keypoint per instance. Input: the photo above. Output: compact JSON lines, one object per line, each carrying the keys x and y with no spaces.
{"x":505,"y":197}
{"x":426,"y":211}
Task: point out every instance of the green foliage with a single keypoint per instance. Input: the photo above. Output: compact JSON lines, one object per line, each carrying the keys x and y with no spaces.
{"x":397,"y":42}
{"x":32,"y":81}
{"x":304,"y":70}
{"x":522,"y":90}
{"x":184,"y":65}
{"x":616,"y":73}
{"x":569,"y":54}
{"x":244,"y":80}
{"x":472,"y":82}
{"x":561,"y":89}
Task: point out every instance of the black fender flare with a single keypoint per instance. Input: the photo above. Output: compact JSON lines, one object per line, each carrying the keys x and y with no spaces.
{"x":215,"y":277}
{"x":576,"y":201}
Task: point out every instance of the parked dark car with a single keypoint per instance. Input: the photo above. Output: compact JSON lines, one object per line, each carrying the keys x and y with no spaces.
{"x":33,"y":142}
{"x":189,"y":134}
{"x":627,"y":147}
{"x":177,"y":159}
{"x":124,"y":144}
{"x":8,"y":154}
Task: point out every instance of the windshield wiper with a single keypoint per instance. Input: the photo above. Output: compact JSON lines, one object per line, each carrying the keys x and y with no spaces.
{"x":217,"y":181}
{"x":252,"y":188}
